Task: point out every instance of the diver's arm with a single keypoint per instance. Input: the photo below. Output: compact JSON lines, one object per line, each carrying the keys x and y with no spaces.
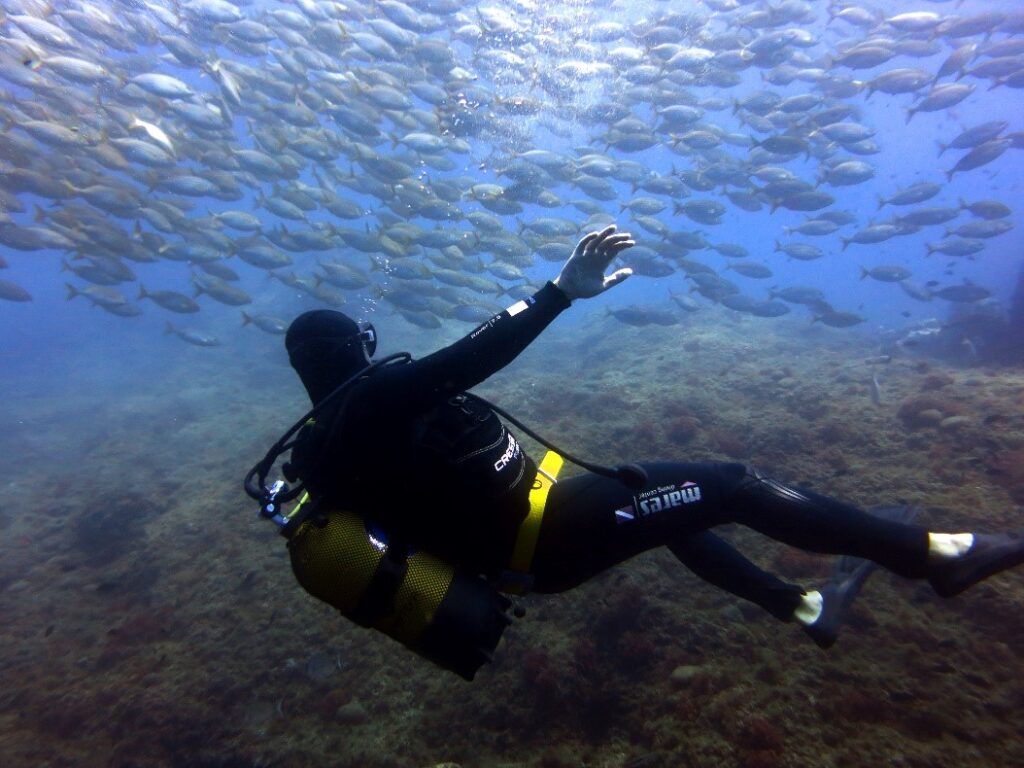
{"x":495,"y":343}
{"x":487,"y":349}
{"x":498,"y":341}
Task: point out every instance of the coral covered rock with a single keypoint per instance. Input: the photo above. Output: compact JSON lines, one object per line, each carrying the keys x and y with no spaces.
{"x":920,"y":411}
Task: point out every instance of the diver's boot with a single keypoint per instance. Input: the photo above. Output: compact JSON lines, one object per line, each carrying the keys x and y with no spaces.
{"x":836,"y":597}
{"x":988,"y":555}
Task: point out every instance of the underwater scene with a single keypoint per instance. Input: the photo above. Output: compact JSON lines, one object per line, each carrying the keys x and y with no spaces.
{"x":826,"y":284}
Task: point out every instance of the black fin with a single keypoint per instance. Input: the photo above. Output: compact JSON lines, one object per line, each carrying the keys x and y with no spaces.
{"x":847,"y":579}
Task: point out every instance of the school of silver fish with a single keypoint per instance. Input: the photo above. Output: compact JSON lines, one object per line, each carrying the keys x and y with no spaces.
{"x":397,"y":150}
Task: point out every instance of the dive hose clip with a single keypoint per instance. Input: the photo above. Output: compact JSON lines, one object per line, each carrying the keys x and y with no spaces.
{"x":272,"y":503}
{"x":270,"y":508}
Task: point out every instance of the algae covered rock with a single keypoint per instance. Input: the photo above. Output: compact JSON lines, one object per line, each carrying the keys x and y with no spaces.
{"x":926,"y":411}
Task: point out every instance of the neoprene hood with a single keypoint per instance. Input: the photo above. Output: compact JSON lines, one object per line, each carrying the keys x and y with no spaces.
{"x":325,"y":348}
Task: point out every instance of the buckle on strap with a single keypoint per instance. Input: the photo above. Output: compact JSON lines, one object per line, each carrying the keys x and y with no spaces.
{"x":517,"y":579}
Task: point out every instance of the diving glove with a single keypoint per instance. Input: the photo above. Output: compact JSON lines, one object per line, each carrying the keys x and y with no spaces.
{"x":583,"y":274}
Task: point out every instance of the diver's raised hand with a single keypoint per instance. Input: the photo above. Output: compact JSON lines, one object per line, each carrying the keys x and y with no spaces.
{"x":583,"y":274}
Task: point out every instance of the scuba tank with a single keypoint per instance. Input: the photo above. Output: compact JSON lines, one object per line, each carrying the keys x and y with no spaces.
{"x":449,"y":617}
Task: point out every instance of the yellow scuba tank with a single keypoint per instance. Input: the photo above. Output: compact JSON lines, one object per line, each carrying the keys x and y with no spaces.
{"x":452,"y":618}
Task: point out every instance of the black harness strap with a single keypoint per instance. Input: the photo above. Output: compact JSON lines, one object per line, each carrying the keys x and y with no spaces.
{"x":378,"y":600}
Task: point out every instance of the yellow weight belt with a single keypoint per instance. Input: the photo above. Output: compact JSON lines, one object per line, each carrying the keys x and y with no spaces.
{"x":517,"y":581}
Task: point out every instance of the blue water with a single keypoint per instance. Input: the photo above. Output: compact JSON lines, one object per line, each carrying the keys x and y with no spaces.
{"x":39,"y":334}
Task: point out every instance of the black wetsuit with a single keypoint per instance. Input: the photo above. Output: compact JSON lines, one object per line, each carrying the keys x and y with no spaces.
{"x":414,"y":456}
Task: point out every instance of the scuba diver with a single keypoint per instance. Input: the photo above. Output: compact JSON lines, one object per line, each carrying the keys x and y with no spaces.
{"x":418,"y":510}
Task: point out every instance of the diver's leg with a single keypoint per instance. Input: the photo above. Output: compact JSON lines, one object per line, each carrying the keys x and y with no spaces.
{"x":715,"y":561}
{"x":817,"y":523}
{"x":592,"y":522}
{"x":820,"y":612}
{"x":952,"y":562}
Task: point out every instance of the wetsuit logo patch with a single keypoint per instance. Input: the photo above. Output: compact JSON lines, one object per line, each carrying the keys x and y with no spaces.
{"x":659,"y":499}
{"x":511,"y":453}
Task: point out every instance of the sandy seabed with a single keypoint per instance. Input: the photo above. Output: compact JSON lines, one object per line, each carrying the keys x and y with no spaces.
{"x":149,"y":619}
